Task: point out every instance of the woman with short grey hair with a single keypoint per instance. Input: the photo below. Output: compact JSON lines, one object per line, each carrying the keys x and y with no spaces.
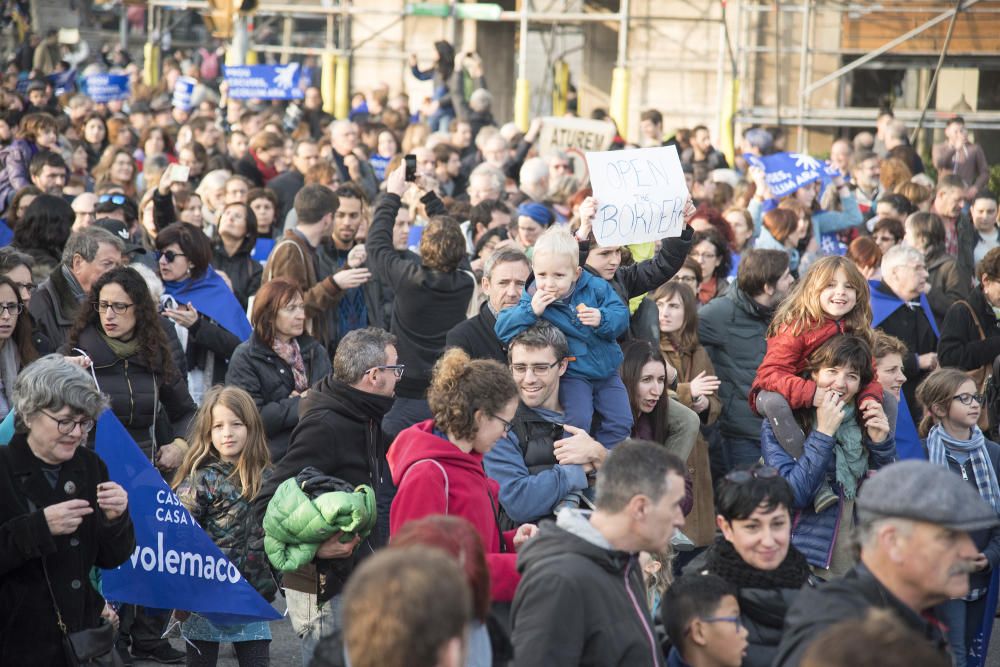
{"x":60,"y":516}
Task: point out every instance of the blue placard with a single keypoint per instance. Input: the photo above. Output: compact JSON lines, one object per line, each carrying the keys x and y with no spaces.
{"x":183,"y":92}
{"x":175,"y":564}
{"x":63,"y":82}
{"x":264,"y":82}
{"x":106,"y":87}
{"x":787,"y":172}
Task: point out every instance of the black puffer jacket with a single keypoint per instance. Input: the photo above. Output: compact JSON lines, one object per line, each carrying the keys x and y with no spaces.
{"x":962,"y":343}
{"x":257,"y":369}
{"x":477,"y":336}
{"x":243,"y":271}
{"x":134,"y":388}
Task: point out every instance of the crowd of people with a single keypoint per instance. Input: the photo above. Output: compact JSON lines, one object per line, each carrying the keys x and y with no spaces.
{"x":749,"y":444}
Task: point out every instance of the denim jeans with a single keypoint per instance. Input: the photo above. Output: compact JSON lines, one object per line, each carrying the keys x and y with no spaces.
{"x":311,"y":623}
{"x":963,"y":620}
{"x":740,"y":453}
{"x":580,"y":398}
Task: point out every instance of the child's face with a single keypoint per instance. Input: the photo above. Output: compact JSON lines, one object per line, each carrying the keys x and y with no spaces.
{"x":554,"y":274}
{"x":961,"y":415}
{"x":605,"y":261}
{"x":229,"y":433}
{"x":839,"y":296}
{"x":726,"y":640}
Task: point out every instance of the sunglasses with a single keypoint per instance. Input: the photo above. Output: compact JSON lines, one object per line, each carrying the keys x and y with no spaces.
{"x":169,"y":255}
{"x":744,"y":476}
{"x":117,"y":200}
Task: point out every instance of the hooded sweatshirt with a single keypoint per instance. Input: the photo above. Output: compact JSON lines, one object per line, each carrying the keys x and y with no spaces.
{"x":434,"y":476}
{"x":582,"y":602}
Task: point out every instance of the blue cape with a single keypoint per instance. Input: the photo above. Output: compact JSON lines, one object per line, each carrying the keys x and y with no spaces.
{"x":212,"y":296}
{"x":908,"y":445}
{"x":884,"y":305}
{"x":262,"y":250}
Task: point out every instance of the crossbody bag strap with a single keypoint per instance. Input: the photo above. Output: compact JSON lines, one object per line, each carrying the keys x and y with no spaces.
{"x":443,"y":472}
{"x":32,"y":507}
{"x":975,"y":319}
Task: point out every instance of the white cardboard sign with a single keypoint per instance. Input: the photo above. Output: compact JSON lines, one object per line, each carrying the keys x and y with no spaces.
{"x":641,"y":194}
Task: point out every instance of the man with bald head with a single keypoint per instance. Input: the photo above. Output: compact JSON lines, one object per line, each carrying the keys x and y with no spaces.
{"x":85,"y":207}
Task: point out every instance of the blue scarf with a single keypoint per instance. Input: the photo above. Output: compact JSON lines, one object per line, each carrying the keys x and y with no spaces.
{"x":939,"y":442}
{"x":884,"y":305}
{"x":212,"y":296}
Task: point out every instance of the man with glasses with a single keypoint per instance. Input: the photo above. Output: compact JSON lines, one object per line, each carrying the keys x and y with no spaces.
{"x":87,"y":255}
{"x":340,"y":433}
{"x":540,"y":462}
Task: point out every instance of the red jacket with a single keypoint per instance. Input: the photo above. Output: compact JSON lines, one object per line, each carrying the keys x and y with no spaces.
{"x":433,"y":476}
{"x":786,"y":359}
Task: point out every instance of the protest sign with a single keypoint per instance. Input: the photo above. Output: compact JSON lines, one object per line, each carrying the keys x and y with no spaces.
{"x":575,"y":136}
{"x":65,"y":82}
{"x":175,"y":564}
{"x":183,"y":92}
{"x":107,"y":87}
{"x":641,"y":195}
{"x":264,"y":82}
{"x":787,"y":172}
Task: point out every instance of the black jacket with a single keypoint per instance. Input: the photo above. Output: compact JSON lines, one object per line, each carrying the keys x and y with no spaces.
{"x":477,"y":336}
{"x":54,"y":308}
{"x":209,"y":348}
{"x":968,"y":237}
{"x":339,"y":433}
{"x":257,"y":369}
{"x":243,"y":271}
{"x":947,"y":283}
{"x":850,"y":597}
{"x":428,"y":302}
{"x":330,"y":260}
{"x":580,"y":604}
{"x":134,"y":388}
{"x":962,"y":344}
{"x":911,"y":326}
{"x":247,"y":167}
{"x":28,"y":631}
{"x":285,"y":186}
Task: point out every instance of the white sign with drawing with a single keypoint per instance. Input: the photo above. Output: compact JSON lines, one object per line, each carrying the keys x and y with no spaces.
{"x":641,"y":195}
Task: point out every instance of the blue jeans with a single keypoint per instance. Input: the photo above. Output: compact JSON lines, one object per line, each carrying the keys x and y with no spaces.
{"x":963,"y":620}
{"x":580,"y":398}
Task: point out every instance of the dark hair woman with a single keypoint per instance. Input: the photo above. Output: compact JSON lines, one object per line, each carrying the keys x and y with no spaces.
{"x":279,"y":363}
{"x":17,"y":347}
{"x":56,"y":404}
{"x":839,"y":450}
{"x":200,"y":303}
{"x":710,"y":249}
{"x":121,"y":332}
{"x":755,"y":555}
{"x":94,"y":132}
{"x":947,"y":283}
{"x":42,"y":233}
{"x":236,"y":238}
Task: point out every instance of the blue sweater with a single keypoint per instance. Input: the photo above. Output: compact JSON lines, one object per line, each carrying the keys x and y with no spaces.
{"x":596,"y":352}
{"x":813,"y":534}
{"x":526,"y":497}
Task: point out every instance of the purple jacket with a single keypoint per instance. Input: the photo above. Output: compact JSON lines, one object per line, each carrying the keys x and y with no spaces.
{"x":14,"y":171}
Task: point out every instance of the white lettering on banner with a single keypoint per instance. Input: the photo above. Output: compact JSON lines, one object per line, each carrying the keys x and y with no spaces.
{"x":171,"y":510}
{"x":641,"y":195}
{"x":195,"y":565}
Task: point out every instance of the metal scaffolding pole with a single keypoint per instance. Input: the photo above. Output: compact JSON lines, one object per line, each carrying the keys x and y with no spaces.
{"x":804,"y":72}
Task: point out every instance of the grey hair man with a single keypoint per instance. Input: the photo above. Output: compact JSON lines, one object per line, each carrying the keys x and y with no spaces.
{"x":87,"y":255}
{"x":571,"y":588}
{"x":485,"y":182}
{"x":534,"y":178}
{"x":339,"y":433}
{"x":914,"y":525}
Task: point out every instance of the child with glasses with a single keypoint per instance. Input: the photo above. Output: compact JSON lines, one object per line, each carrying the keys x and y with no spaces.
{"x":702,"y":618}
{"x":590,"y":313}
{"x":953,"y":439}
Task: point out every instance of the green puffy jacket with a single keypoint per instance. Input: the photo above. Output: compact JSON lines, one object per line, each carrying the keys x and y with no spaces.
{"x":295,"y":525}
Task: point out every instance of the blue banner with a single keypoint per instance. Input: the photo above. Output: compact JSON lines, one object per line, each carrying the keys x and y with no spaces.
{"x":787,"y":172}
{"x":63,"y":82}
{"x":264,"y":82}
{"x":106,"y":87}
{"x":175,"y":564}
{"x":183,"y":92}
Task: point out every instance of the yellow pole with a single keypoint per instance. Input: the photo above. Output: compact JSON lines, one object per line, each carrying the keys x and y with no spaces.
{"x":560,"y":88}
{"x":522,"y":105}
{"x":619,"y":99}
{"x":727,"y":142}
{"x":342,"y":92}
{"x":151,"y":66}
{"x":327,"y":83}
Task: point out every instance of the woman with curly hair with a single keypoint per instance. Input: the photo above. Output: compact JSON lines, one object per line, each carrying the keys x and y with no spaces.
{"x":437,"y":464}
{"x":122,"y":333}
{"x":117,"y":166}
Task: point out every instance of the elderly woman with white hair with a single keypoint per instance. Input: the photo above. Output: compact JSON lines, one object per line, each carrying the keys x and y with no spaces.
{"x":60,"y":516}
{"x":900,"y":308}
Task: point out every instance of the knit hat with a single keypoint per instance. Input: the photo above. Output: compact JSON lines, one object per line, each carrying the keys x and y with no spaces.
{"x":537,"y":212}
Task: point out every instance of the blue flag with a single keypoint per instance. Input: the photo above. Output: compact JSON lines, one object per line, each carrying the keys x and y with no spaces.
{"x":908,"y":443}
{"x":210,"y":295}
{"x":980,"y":645}
{"x":106,"y":87}
{"x":264,"y":82}
{"x":63,"y":82}
{"x":184,"y":92}
{"x":175,"y":564}
{"x":787,"y":172}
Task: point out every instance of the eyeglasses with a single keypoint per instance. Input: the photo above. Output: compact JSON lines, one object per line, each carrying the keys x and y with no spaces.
{"x":967,"y":399}
{"x":117,"y":200}
{"x":744,"y":476}
{"x":507,"y":426}
{"x":12,"y":308}
{"x":698,"y":256}
{"x":735,"y":620}
{"x":537,"y":369}
{"x":397,"y":369}
{"x":686,"y":279}
{"x":66,"y":426}
{"x":169,"y":255}
{"x":118,"y":307}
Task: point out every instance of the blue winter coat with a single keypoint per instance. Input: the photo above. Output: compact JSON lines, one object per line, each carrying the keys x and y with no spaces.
{"x":813,"y":534}
{"x":596,"y":350}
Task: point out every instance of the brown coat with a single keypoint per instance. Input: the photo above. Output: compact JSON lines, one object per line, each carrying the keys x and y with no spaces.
{"x":295,"y":260}
{"x":700,"y":523}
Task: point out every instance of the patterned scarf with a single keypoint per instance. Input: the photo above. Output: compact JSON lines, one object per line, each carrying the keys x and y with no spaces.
{"x":851,"y":457}
{"x":939,"y":443}
{"x":292,"y":355}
